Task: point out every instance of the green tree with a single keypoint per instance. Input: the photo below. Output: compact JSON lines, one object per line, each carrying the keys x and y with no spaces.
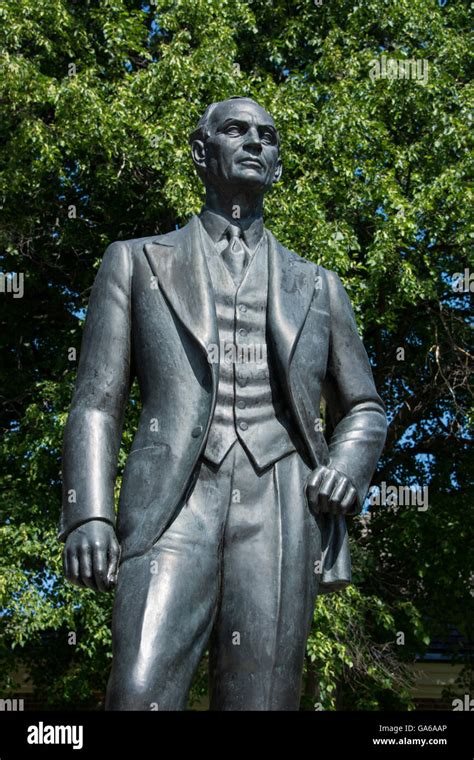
{"x":98,"y":98}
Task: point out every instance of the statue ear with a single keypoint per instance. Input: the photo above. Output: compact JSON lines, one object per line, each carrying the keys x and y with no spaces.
{"x":278,"y":171}
{"x":198,"y":153}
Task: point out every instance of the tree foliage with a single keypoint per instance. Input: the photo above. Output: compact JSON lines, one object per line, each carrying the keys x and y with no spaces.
{"x":98,"y":97}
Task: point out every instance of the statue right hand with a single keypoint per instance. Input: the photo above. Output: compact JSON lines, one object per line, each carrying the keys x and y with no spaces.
{"x":91,"y":555}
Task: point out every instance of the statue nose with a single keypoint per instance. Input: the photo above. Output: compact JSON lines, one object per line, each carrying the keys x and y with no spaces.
{"x":253,"y":139}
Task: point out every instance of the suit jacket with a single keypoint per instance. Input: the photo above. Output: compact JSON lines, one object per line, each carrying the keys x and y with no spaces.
{"x":151,"y":314}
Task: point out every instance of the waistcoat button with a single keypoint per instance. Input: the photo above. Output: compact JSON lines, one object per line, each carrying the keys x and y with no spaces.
{"x":243,"y":426}
{"x":197,"y":431}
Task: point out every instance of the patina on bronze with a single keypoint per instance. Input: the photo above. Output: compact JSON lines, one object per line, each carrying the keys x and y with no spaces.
{"x":234,"y":500}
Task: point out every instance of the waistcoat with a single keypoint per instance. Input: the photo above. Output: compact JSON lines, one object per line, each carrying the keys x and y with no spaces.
{"x":250,"y":404}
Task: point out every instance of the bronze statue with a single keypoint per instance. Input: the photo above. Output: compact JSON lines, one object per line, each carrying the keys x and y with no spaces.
{"x":233,"y":506}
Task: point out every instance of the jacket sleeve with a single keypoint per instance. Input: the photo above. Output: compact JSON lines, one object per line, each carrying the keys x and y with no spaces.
{"x":94,"y":426}
{"x":356,"y":412}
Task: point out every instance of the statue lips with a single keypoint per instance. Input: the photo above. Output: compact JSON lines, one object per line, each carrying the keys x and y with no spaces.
{"x":252,"y":162}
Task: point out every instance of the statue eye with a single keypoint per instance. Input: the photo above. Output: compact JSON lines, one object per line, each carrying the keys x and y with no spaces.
{"x":268,"y":137}
{"x":233,"y":130}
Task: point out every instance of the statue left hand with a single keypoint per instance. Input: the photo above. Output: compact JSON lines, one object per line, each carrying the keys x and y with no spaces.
{"x":329,"y":491}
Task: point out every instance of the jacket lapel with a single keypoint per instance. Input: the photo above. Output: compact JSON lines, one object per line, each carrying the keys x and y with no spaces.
{"x":179,"y":263}
{"x":291,"y":286}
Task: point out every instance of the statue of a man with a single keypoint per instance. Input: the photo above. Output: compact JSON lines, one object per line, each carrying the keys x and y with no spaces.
{"x":233,"y":506}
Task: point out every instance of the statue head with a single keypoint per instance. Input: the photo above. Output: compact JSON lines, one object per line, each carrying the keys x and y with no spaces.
{"x":236,"y":147}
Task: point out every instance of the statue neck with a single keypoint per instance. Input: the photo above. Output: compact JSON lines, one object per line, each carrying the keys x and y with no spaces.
{"x":240,"y":207}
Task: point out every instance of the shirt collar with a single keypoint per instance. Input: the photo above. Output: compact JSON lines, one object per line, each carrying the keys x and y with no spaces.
{"x":216,"y":224}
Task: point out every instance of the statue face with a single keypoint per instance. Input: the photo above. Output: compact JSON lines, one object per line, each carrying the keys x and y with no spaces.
{"x":241,"y":152}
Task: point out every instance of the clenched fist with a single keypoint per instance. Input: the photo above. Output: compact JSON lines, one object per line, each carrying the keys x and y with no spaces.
{"x":91,"y":555}
{"x":329,"y":491}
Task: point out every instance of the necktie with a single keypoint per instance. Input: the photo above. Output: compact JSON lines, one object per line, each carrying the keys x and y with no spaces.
{"x":235,"y":254}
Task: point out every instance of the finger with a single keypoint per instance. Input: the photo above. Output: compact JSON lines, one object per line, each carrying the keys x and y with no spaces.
{"x":316,"y":477}
{"x":348,"y":499}
{"x":99,"y":566}
{"x":313,"y":486}
{"x":85,"y":567}
{"x":114,"y":556}
{"x":72,"y":568}
{"x":337,"y":495}
{"x":326,"y":489}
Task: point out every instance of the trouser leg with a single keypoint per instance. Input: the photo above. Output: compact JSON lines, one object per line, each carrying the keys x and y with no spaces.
{"x":269,"y":586}
{"x":166,"y":602}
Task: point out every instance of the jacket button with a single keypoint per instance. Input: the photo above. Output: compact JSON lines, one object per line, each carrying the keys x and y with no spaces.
{"x":197,"y":431}
{"x":243,"y":426}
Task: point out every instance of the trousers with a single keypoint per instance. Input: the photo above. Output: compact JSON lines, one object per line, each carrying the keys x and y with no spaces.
{"x":234,"y":573}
